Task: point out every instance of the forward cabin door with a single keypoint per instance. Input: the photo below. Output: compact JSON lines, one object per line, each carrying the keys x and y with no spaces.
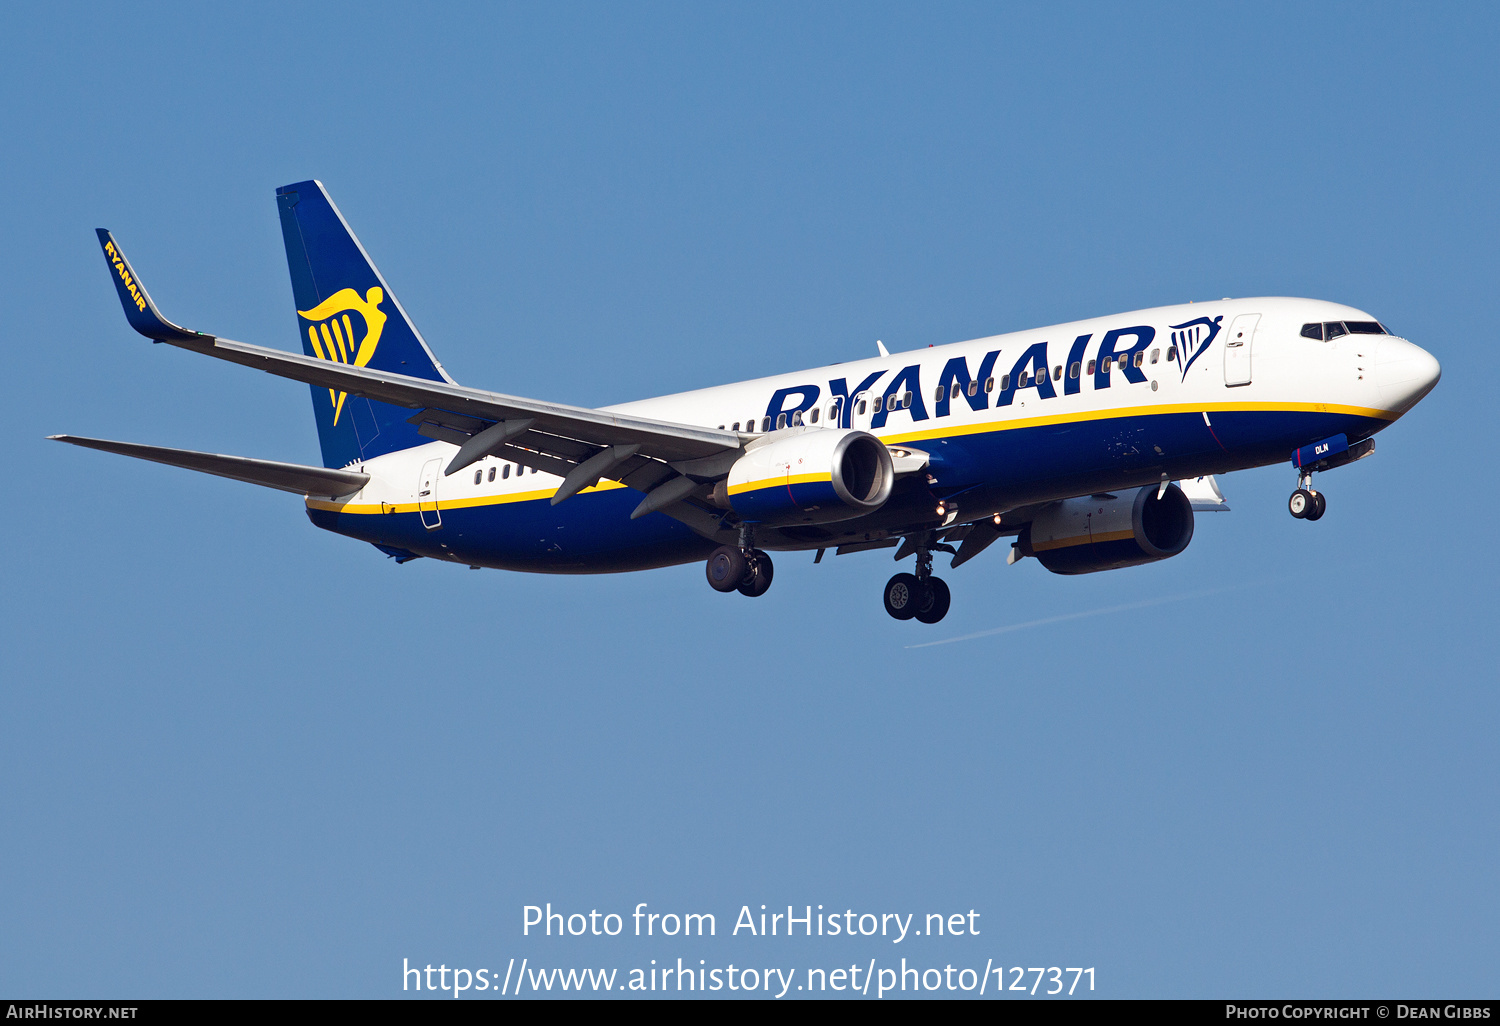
{"x":427,"y":483}
{"x":1237,"y":349}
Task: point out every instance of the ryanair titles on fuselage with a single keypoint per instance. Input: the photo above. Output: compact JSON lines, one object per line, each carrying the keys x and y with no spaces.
{"x":1119,"y":349}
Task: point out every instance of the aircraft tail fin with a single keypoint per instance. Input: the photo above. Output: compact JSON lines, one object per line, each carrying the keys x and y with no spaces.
{"x":347,"y":313}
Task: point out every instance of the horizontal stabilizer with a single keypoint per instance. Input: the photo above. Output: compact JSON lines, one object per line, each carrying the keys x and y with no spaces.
{"x":289,"y":477}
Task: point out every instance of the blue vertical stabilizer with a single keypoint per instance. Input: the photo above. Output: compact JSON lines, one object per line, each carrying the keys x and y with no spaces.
{"x":346,"y":312}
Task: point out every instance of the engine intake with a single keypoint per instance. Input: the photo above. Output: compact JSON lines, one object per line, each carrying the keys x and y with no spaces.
{"x":1092,"y":533}
{"x":811,"y":476}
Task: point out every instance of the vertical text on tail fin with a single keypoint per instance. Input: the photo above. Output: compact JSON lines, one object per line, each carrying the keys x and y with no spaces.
{"x":347,"y":313}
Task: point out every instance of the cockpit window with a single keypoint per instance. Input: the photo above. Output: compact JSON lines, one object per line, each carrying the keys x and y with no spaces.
{"x":1334,"y":329}
{"x":1313,"y":331}
{"x":1364,"y":328}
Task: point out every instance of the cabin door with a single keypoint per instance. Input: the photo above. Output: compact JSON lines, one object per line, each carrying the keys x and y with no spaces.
{"x":1237,"y":349}
{"x":427,"y":484}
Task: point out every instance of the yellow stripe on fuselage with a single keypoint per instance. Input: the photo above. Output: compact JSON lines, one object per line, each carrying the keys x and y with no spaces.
{"x":983,"y":427}
{"x":477,"y":500}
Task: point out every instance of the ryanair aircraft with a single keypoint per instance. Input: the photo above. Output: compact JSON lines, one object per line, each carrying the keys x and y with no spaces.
{"x":1091,"y":445}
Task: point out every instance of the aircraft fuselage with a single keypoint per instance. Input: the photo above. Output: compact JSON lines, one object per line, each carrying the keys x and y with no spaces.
{"x":1007,"y":421}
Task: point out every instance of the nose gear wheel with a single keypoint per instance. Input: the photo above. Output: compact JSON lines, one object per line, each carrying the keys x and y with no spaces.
{"x":1304,"y":503}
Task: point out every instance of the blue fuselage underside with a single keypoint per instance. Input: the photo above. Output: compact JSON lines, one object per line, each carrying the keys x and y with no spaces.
{"x":985,"y":471}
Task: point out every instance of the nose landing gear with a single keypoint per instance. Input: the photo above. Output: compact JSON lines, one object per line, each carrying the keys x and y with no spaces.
{"x":1306,"y":504}
{"x":918,"y":596}
{"x":742,"y":568}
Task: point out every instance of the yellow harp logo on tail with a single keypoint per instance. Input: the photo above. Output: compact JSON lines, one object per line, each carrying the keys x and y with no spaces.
{"x":332,"y":333}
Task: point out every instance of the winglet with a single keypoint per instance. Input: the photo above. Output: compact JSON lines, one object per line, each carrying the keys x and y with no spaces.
{"x":139,"y":310}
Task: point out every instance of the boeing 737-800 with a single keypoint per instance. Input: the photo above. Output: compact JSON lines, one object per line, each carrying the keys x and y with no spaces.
{"x":1090,"y":445}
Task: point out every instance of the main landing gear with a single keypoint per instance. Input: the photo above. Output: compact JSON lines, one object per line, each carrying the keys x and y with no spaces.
{"x":741,"y":568}
{"x":918,"y":596}
{"x":1306,"y":504}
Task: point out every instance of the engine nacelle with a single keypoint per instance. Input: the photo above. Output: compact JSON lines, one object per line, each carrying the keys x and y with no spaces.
{"x":812,"y":476}
{"x":1080,"y":536}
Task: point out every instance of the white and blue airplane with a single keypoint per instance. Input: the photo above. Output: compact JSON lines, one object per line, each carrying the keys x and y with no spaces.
{"x":1090,"y":444}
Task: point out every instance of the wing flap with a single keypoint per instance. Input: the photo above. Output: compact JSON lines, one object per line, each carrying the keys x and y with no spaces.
{"x":1204,"y":494}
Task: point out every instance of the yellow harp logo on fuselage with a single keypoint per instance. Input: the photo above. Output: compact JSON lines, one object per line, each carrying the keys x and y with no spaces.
{"x":332,"y":333}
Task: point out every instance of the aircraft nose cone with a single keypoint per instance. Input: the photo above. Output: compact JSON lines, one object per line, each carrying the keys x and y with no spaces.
{"x":1404,"y":373}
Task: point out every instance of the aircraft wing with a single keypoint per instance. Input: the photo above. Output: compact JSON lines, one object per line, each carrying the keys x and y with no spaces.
{"x":289,"y":477}
{"x":667,"y":461}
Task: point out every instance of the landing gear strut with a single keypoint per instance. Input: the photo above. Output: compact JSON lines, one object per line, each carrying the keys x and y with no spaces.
{"x":1306,"y":504}
{"x":742,"y":568}
{"x":918,"y":596}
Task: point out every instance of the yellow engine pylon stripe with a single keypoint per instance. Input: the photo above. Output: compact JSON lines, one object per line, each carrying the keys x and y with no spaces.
{"x":1081,"y":539}
{"x":779,"y":482}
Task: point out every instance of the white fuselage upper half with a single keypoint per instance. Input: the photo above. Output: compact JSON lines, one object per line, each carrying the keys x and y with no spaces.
{"x":1214,"y":358}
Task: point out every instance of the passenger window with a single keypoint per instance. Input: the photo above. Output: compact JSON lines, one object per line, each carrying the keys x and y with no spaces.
{"x":875,"y":403}
{"x":1024,"y":379}
{"x":956,"y":391}
{"x":1333,"y":329}
{"x":1364,"y":328}
{"x":1057,"y":373}
{"x":1313,"y":331}
{"x":973,"y":388}
{"x":797,"y":419}
{"x":1140,"y":358}
{"x":906,"y":401}
{"x":765,"y":424}
{"x":1171,"y":354}
{"x":813,"y":417}
{"x":780,"y":421}
{"x":1004,"y":382}
{"x":492,"y":473}
{"x":1124,"y":360}
{"x":833,"y":412}
{"x":861,"y":406}
{"x":1074,"y":369}
{"x":989,"y":384}
{"x":721,"y":427}
{"x":1091,"y":366}
{"x":478,"y":476}
{"x":937,"y":394}
{"x":1155,"y":355}
{"x":505,"y":472}
{"x":736,"y":426}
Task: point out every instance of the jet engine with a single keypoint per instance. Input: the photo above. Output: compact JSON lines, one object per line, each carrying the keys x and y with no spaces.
{"x":809,"y":476}
{"x":1106,"y":532}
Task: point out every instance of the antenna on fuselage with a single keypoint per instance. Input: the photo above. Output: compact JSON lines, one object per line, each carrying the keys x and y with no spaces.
{"x":881,"y":346}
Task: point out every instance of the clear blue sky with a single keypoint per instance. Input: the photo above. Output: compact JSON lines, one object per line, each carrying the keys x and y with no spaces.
{"x":244,"y":757}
